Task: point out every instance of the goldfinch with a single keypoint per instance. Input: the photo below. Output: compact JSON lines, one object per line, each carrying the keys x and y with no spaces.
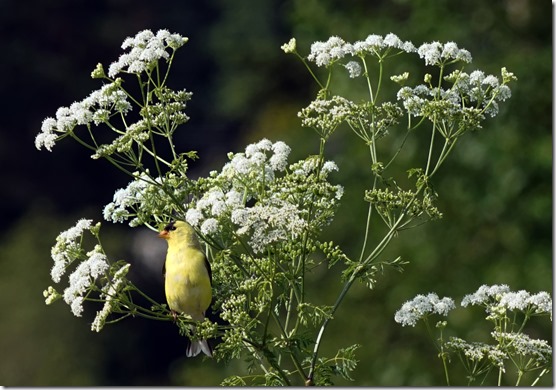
{"x":188,"y":278}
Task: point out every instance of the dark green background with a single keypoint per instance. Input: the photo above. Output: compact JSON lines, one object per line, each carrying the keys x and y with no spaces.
{"x":495,"y":191}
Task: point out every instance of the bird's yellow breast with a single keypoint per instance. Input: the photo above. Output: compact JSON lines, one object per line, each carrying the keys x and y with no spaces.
{"x":187,"y":282}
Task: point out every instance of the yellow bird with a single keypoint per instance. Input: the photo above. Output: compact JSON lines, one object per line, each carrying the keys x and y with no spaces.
{"x":188,"y":277}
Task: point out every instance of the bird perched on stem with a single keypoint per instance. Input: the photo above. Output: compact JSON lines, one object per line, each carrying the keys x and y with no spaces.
{"x":188,"y":278}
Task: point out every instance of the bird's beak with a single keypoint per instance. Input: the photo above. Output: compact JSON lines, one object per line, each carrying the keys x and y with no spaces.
{"x":164,"y":234}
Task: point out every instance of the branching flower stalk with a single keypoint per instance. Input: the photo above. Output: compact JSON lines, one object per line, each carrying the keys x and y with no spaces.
{"x":366,"y":126}
{"x":508,"y":311}
{"x":261,"y":216}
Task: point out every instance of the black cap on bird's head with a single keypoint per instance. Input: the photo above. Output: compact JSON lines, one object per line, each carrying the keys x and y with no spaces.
{"x":165,"y":233}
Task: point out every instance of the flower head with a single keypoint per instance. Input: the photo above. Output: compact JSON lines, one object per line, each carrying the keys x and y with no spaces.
{"x":145,"y":50}
{"x":94,"y":109}
{"x":436,"y":53}
{"x":86,"y":273}
{"x":376,"y":44}
{"x":289,"y":47}
{"x":421,"y":306}
{"x":354,"y":69}
{"x":485,"y":294}
{"x":477,"y":351}
{"x":326,"y":53}
{"x":110,"y":293}
{"x":521,"y":344}
{"x":67,"y":248}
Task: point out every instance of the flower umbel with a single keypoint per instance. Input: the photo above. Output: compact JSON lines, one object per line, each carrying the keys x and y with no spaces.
{"x":512,"y":346}
{"x":145,"y":50}
{"x":422,"y":306}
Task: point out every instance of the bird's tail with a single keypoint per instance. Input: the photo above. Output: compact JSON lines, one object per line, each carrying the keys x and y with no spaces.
{"x":195,"y":347}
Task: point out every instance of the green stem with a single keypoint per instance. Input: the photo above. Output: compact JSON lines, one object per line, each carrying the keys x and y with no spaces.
{"x":544,"y":371}
{"x":519,"y":375}
{"x":347,"y":286}
{"x":429,"y":158}
{"x":367,"y":76}
{"x":379,"y":82}
{"x":310,"y":70}
{"x":367,"y":231}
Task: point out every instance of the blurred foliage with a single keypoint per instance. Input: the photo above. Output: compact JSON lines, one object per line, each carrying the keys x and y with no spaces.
{"x":495,"y":192}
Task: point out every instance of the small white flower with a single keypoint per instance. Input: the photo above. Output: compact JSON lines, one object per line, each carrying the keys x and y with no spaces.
{"x":289,"y":47}
{"x":450,"y":50}
{"x":354,"y":69}
{"x":375,"y":40}
{"x":46,"y":137}
{"x":491,"y":81}
{"x":515,"y":300}
{"x":504,"y":93}
{"x":51,"y":295}
{"x":77,"y":306}
{"x":279,"y":159}
{"x":193,"y":217}
{"x":209,"y":226}
{"x":430,"y":52}
{"x":393,"y":40}
{"x":234,"y":199}
{"x":328,"y":167}
{"x":339,"y":192}
{"x":400,"y":79}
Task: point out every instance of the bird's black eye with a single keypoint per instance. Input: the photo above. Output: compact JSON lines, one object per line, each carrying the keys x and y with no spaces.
{"x":170,"y":227}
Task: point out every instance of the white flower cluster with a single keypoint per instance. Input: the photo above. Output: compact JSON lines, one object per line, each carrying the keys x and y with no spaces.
{"x":421,"y":306}
{"x":269,"y":220}
{"x":110,"y":292}
{"x":476,"y":87}
{"x":96,"y":108}
{"x":93,"y":267}
{"x":354,"y":69}
{"x":83,"y":277}
{"x":290,"y":46}
{"x":254,"y":163}
{"x":485,"y":294}
{"x":126,"y":199}
{"x":326,"y":53}
{"x":146,"y":49}
{"x":499,"y":298}
{"x":436,"y":53}
{"x":273,"y":213}
{"x":470,"y":95}
{"x":67,"y":247}
{"x":523,"y":345}
{"x":335,"y":48}
{"x":477,"y":351}
{"x":273,"y":221}
{"x":325,"y":115}
{"x":145,"y":197}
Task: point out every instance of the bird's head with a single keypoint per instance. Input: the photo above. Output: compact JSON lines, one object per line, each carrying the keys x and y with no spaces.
{"x":179,"y":231}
